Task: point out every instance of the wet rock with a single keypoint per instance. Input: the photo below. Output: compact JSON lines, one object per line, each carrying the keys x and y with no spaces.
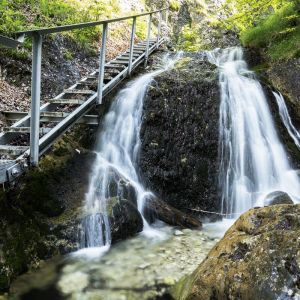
{"x":122,"y":188}
{"x":41,"y":216}
{"x":157,"y":209}
{"x":178,"y":233}
{"x":277,"y":197}
{"x":258,"y":258}
{"x":125,"y":220}
{"x":179,"y":136}
{"x":285,"y":76}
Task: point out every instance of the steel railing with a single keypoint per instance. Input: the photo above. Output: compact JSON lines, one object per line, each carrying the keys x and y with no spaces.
{"x":37,"y":41}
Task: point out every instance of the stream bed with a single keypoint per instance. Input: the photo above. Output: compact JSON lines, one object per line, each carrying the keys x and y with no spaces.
{"x":137,"y":268}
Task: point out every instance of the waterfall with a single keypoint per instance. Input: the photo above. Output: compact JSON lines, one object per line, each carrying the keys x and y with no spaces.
{"x":286,"y":119}
{"x":116,"y":162}
{"x":253,"y":162}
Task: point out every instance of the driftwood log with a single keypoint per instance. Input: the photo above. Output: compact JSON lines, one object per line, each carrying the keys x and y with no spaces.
{"x":158,"y":209}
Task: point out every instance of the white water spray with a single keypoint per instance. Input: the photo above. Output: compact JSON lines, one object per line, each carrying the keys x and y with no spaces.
{"x":253,"y":162}
{"x":116,"y":160}
{"x":286,"y":119}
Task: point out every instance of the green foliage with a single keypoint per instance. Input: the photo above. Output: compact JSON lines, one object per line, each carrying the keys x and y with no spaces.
{"x":68,"y":55}
{"x":244,"y":14}
{"x":189,"y":39}
{"x":174,"y":5}
{"x":17,"y":15}
{"x":141,"y":28}
{"x":273,"y":25}
{"x":279,"y":33}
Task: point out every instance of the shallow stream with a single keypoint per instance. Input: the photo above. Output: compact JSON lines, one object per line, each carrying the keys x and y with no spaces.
{"x":138,"y":268}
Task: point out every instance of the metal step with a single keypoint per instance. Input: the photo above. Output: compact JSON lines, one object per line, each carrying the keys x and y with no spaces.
{"x":127,"y":54}
{"x":118,"y":62}
{"x":137,"y":52}
{"x":12,"y":150}
{"x":14,"y":115}
{"x":109,"y":67}
{"x":122,"y":58}
{"x":49,"y":117}
{"x":87,"y":84}
{"x":81,"y":92}
{"x":67,"y":101}
{"x":24,"y":130}
{"x":54,"y":114}
{"x":4,"y":163}
{"x":115,"y":66}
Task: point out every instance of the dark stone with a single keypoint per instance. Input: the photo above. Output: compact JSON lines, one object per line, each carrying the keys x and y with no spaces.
{"x":121,"y":188}
{"x":125,"y":220}
{"x":277,"y":197}
{"x":179,"y":136}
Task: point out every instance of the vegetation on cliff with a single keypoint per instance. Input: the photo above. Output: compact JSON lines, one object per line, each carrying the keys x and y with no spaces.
{"x":271,"y":25}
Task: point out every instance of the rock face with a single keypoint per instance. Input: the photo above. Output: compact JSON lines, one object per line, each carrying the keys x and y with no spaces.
{"x":285,"y":76}
{"x":179,"y":134}
{"x":278,"y":197}
{"x":258,"y":258}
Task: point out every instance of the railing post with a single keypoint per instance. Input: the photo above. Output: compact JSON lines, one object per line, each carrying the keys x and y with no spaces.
{"x":148,"y":39}
{"x":102,"y":63}
{"x":159,"y":29}
{"x":131,"y":45}
{"x":35,"y":99}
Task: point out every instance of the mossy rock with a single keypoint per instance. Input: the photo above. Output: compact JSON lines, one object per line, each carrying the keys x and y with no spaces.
{"x":37,"y":194}
{"x":258,"y":258}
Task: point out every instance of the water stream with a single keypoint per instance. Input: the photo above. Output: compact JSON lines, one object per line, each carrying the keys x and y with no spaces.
{"x":286,"y":119}
{"x":253,"y":161}
{"x":116,"y":162}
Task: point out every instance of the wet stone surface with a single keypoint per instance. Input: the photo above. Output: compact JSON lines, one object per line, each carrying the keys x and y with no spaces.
{"x":138,"y":268}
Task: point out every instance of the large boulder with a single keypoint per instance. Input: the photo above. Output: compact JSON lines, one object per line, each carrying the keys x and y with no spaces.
{"x":258,"y":258}
{"x":179,"y":136}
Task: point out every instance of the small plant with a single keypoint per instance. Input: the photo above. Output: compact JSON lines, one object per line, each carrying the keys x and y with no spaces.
{"x":189,"y":39}
{"x":175,"y":5}
{"x":68,"y":55}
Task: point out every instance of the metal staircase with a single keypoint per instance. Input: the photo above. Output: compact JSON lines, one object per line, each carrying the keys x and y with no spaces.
{"x":32,"y":133}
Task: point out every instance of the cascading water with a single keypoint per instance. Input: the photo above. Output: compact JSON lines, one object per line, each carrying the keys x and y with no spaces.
{"x":116,"y":160}
{"x":286,"y":119}
{"x":253,"y":162}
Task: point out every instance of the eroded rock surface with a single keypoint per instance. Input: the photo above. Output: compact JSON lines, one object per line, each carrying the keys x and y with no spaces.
{"x":258,"y":258}
{"x":179,"y":134}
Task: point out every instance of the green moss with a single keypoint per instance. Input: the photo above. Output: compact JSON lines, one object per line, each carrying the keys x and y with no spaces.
{"x":182,"y":62}
{"x":111,"y":204}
